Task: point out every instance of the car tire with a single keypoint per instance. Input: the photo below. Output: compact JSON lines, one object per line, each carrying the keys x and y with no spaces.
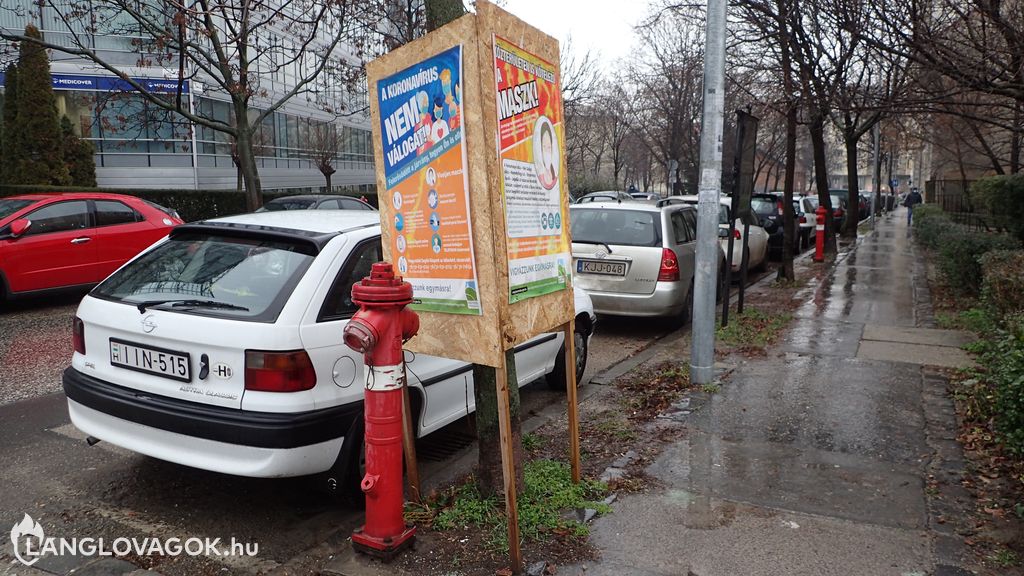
{"x":341,"y":482}
{"x":556,"y":378}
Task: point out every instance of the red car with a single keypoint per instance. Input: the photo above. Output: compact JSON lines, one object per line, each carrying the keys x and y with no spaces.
{"x":52,"y":241}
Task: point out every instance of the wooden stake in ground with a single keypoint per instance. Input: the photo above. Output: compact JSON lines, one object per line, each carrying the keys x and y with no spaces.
{"x":412,"y":469}
{"x":508,"y":469}
{"x":570,"y":399}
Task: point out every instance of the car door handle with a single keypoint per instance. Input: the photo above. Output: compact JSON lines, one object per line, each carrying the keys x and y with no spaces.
{"x":81,"y":240}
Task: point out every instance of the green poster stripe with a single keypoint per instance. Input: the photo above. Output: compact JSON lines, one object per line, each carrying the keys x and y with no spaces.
{"x":535,"y":288}
{"x":445,"y":306}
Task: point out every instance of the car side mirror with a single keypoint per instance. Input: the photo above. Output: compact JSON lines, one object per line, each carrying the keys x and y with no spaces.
{"x":19,"y":227}
{"x":723,"y":232}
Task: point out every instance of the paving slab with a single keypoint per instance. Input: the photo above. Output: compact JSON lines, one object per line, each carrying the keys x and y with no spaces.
{"x":923,"y":354}
{"x":909,"y":335}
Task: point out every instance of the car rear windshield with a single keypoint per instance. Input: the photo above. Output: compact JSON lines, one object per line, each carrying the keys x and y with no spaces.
{"x":234,"y":277}
{"x":8,"y":206}
{"x":617,"y":227}
{"x":287,"y":204}
{"x":763,"y":206}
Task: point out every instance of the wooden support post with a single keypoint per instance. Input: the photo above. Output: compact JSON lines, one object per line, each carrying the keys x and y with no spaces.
{"x":508,"y":466}
{"x":412,"y":470}
{"x":570,"y":396}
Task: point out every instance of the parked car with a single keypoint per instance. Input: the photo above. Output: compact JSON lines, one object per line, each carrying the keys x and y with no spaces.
{"x":73,"y":240}
{"x":635,"y":259}
{"x":757,"y":242}
{"x":605,"y":196}
{"x":315,"y":202}
{"x":645,"y":196}
{"x":220,"y":348}
{"x":768,"y":208}
{"x":839,"y":207}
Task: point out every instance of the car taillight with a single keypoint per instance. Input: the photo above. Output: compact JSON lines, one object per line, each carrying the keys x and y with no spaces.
{"x":838,"y":212}
{"x":780,"y":208}
{"x":803,"y":219}
{"x":290,"y":371}
{"x":78,"y":335}
{"x":736,"y":233}
{"x":669,"y":266}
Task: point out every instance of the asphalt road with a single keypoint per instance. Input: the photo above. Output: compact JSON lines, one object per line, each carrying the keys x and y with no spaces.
{"x":49,"y":472}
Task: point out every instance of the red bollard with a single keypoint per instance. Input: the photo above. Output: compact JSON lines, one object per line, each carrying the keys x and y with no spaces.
{"x":378,"y":330}
{"x":819,"y":234}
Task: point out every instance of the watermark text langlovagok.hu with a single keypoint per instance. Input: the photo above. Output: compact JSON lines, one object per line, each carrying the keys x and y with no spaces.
{"x":31,"y":544}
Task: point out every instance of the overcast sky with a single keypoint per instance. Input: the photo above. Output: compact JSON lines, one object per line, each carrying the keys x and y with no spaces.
{"x":602,"y":26}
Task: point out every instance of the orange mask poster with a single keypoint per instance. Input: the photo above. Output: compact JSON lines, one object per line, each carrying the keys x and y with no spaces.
{"x":530,"y":145}
{"x":424,"y":168}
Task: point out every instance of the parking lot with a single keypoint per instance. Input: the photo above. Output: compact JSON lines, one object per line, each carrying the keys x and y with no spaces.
{"x":49,"y":472}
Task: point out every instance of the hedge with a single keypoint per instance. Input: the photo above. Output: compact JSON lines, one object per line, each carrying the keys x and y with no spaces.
{"x":1002,"y":287}
{"x":192,"y":205}
{"x":1002,"y":199}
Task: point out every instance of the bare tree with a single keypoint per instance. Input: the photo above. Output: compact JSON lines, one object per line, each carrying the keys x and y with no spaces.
{"x":259,"y":54}
{"x":325,"y":142}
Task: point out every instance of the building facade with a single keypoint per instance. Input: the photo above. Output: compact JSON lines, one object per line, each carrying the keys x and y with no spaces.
{"x":140,"y":145}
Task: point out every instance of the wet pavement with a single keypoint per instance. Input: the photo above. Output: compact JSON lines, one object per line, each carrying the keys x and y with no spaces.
{"x":814,"y":459}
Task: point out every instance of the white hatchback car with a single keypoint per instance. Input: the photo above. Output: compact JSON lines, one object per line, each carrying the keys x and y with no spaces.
{"x":221,"y":348}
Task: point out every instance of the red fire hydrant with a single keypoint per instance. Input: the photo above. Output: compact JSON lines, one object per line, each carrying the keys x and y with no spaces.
{"x":378,"y":330}
{"x":819,"y":234}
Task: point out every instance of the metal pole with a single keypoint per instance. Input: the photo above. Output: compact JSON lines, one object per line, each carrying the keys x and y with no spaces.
{"x":702,"y":357}
{"x":876,"y":176}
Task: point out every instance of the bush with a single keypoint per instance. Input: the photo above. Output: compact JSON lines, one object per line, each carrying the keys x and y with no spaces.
{"x":1002,"y":286}
{"x":931,"y":225}
{"x":1001,"y":198}
{"x":1004,"y":357}
{"x":959,"y":256}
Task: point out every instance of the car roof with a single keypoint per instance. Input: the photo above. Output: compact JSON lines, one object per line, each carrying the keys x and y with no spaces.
{"x":313,"y":221}
{"x":39,"y":196}
{"x":633,"y":206}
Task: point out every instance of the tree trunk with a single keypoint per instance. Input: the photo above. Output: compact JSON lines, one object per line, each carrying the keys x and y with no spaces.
{"x":489,"y":476}
{"x":852,"y":183}
{"x":786,"y":271}
{"x":247,"y":165}
{"x":817,"y":130}
{"x":327,"y":178}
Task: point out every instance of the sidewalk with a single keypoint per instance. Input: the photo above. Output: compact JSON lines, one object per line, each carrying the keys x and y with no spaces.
{"x":835,"y":454}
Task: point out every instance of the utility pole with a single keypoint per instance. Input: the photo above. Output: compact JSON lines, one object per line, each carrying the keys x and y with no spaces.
{"x":702,"y":356}
{"x":877,"y":175}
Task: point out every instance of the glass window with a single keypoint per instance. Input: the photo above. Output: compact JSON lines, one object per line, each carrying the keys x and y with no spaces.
{"x":763,"y":206}
{"x":338,"y":304}
{"x":351,"y":204}
{"x":616,"y":227}
{"x":690,"y":218}
{"x":329,"y":205}
{"x":111,"y":212}
{"x":247,"y":278}
{"x":59,"y":217}
{"x":679,"y":228}
{"x":8,"y":207}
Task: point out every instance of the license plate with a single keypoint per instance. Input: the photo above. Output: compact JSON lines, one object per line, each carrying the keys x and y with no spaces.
{"x":601,"y":267}
{"x":158,"y":361}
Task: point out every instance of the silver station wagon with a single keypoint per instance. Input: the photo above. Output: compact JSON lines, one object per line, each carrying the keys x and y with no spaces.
{"x":635,"y":259}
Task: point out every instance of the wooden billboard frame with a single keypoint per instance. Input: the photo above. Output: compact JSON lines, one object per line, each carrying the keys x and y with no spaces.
{"x":502,"y":325}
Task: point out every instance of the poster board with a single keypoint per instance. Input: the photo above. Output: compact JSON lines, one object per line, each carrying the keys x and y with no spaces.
{"x":498,"y":321}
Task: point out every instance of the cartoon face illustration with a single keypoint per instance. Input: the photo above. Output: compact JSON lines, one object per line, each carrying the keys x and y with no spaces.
{"x":446,"y":82}
{"x":438,"y":108}
{"x":424,"y":102}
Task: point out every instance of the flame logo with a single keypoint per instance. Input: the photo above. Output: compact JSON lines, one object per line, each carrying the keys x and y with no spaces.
{"x":27,"y":527}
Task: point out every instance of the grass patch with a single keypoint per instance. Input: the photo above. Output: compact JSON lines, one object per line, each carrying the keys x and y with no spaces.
{"x":710,"y":388}
{"x":548,"y":491}
{"x":753,"y":330}
{"x":533,"y":442}
{"x":1004,"y":557}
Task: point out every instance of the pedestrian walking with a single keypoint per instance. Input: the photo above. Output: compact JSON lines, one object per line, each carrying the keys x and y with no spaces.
{"x":912,"y":199}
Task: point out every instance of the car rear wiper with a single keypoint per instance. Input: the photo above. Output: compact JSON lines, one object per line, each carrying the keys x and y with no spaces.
{"x":191,"y":303}
{"x":606,"y":247}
